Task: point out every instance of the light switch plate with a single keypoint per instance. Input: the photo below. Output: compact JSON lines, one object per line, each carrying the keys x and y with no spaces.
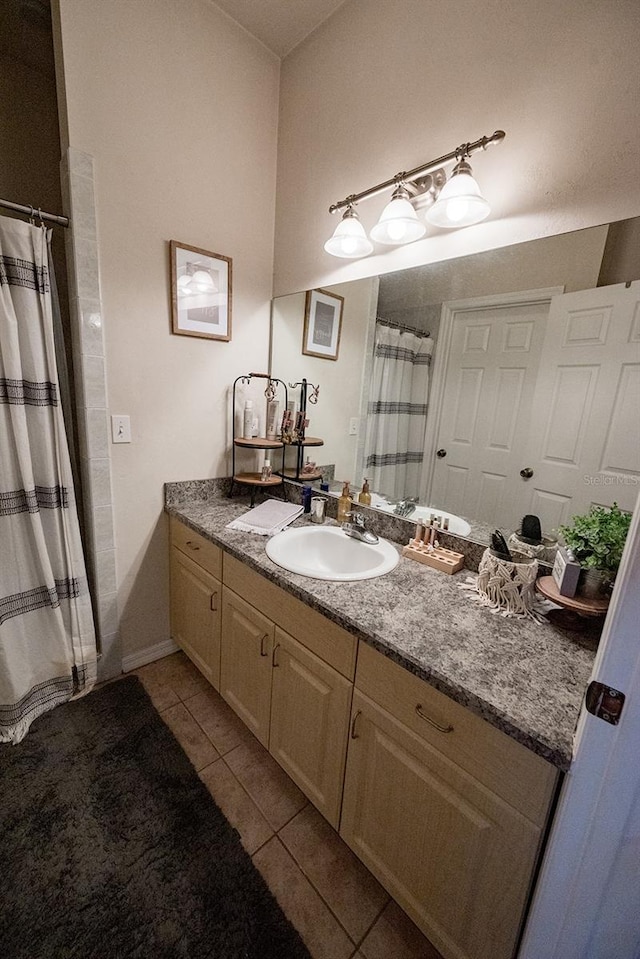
{"x":120,"y":428}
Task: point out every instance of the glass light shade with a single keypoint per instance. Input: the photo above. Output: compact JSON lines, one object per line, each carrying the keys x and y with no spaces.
{"x":459,"y":202}
{"x":398,"y":223}
{"x":202,"y":282}
{"x":184,"y":288}
{"x":349,"y":240}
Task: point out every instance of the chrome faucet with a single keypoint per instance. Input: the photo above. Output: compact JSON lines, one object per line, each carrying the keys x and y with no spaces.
{"x":405,"y":507}
{"x":355,"y":527}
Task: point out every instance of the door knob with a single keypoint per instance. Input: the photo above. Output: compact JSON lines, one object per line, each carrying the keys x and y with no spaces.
{"x":441,"y":453}
{"x":526,"y":473}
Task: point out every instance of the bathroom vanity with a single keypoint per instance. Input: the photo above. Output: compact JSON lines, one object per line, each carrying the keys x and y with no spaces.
{"x":428,"y":731}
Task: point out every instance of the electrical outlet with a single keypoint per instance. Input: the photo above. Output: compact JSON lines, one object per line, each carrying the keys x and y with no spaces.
{"x":120,"y":428}
{"x":353,"y":426}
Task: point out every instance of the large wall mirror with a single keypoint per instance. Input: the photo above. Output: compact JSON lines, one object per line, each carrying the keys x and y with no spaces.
{"x":486,"y":387}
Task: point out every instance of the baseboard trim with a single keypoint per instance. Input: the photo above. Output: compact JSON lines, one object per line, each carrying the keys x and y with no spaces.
{"x":148,"y":655}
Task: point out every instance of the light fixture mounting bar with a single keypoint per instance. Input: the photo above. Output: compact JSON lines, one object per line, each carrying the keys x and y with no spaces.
{"x":465,"y":150}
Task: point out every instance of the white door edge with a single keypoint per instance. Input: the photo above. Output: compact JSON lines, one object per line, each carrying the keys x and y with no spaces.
{"x":586,"y":900}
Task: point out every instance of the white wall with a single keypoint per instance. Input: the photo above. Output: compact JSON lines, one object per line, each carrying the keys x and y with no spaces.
{"x":178,"y":107}
{"x":383,"y":87}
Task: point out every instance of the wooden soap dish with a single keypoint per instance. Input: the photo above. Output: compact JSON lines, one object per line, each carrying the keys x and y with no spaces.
{"x":439,"y":558}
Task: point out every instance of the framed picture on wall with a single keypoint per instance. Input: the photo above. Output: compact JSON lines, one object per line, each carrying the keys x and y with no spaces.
{"x":322,"y":324}
{"x":200,"y":292}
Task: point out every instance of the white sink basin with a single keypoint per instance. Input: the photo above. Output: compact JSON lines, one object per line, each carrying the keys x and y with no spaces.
{"x":326,"y":552}
{"x":422,"y":514}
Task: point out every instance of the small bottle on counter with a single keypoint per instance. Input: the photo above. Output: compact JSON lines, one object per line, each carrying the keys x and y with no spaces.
{"x":364,"y":496}
{"x":306,"y":499}
{"x":344,"y":503}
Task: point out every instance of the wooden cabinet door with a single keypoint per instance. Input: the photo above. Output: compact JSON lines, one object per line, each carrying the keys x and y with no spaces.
{"x":456,"y":857}
{"x":195,"y":614}
{"x":310,"y":707}
{"x":245,"y":663}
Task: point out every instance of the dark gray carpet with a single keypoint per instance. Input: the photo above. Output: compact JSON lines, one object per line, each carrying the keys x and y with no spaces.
{"x":112,"y":848}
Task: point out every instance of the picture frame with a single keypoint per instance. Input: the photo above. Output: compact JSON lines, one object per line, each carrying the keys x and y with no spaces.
{"x":201,"y":292}
{"x":322,"y":324}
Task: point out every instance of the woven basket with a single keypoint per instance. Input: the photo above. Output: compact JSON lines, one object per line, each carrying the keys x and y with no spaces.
{"x":507,"y":586}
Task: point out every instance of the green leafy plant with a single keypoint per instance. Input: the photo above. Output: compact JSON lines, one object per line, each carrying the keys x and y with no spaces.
{"x":597,"y":538}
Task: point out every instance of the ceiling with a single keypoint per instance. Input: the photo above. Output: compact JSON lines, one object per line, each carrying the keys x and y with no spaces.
{"x":280,"y":24}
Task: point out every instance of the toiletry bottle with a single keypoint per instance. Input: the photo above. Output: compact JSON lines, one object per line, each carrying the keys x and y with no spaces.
{"x":344,"y":503}
{"x":364,"y":496}
{"x":273,"y":408}
{"x":247,"y":421}
{"x":266,"y":470}
{"x":306,"y":499}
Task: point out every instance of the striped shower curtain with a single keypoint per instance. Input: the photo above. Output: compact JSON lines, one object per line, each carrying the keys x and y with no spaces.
{"x":47,"y":638}
{"x":397,"y":412}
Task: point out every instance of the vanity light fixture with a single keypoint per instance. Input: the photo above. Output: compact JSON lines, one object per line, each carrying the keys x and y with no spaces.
{"x":456,"y":202}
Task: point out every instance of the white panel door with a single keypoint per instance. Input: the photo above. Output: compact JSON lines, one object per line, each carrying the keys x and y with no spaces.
{"x":585,"y":431}
{"x":486,"y":408}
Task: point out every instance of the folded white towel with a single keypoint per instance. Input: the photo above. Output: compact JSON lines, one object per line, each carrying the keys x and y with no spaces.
{"x":270,"y":517}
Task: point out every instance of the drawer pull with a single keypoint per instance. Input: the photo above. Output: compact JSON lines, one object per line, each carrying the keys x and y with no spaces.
{"x":263,"y":651}
{"x":354,"y":734}
{"x":273,"y":655}
{"x":432,"y":722}
{"x":191,"y":546}
{"x":213,"y":605}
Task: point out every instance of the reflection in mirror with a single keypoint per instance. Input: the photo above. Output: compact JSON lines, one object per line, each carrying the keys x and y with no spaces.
{"x":523,"y":398}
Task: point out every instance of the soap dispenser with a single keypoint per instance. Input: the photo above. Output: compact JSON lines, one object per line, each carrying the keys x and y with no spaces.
{"x":364,"y":496}
{"x":344,"y":503}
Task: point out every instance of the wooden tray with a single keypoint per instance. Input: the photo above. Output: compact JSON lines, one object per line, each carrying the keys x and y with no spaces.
{"x":443,"y":559}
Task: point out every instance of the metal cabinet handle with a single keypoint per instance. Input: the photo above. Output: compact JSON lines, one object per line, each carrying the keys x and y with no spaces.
{"x":263,"y":651}
{"x":441,"y":454}
{"x":354,"y":734}
{"x":432,"y":722}
{"x":191,"y":546}
{"x":526,"y":473}
{"x":273,"y":655}
{"x":213,"y":604}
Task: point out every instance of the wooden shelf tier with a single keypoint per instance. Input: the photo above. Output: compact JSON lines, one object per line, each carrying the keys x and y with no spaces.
{"x":255,"y":479}
{"x":302,"y":477}
{"x":257,"y":443}
{"x":309,"y":441}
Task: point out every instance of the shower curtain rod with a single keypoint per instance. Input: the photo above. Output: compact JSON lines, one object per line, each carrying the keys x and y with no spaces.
{"x":33,"y":212}
{"x":401,"y":326}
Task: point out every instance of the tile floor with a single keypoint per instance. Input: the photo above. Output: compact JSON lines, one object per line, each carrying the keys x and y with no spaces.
{"x":334,"y":902}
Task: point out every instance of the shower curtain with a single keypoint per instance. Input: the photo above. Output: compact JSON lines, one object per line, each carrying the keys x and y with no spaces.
{"x":397,"y":412}
{"x":47,"y":637}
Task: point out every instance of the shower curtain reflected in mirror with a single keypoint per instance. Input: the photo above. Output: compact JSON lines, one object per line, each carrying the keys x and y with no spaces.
{"x":47,"y":637}
{"x":397,"y":412}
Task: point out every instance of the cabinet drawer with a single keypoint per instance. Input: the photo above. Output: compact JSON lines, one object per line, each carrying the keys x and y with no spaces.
{"x":199,"y":549}
{"x":329,"y":641}
{"x":509,"y":769}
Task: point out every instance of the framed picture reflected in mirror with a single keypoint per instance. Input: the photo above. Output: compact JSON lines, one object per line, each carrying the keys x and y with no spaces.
{"x":322,"y":324}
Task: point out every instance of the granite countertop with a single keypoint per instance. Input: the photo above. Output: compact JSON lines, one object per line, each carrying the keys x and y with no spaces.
{"x":525,"y":678}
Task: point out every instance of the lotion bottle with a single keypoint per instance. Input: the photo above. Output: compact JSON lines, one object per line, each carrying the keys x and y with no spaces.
{"x":247,"y":420}
{"x":364,"y":496}
{"x":344,"y":503}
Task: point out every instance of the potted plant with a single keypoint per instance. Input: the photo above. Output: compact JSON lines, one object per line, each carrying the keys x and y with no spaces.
{"x":596,"y":541}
